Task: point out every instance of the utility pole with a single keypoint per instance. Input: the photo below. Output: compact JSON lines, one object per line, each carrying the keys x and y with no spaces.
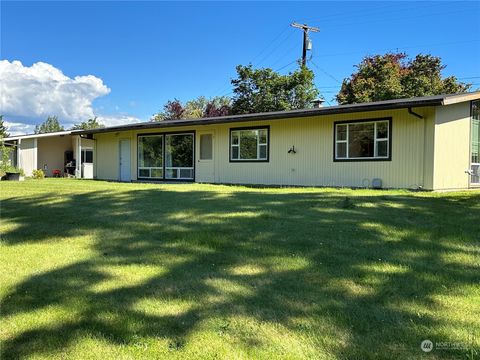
{"x":305,"y":29}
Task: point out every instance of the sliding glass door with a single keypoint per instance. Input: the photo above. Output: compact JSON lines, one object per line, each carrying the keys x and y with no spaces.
{"x":179,"y":156}
{"x":475,"y":150}
{"x":166,"y":156}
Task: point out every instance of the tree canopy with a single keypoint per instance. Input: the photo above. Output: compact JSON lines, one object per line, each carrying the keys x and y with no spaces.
{"x":262,"y":90}
{"x":200,"y":107}
{"x":3,"y":129}
{"x":394,"y":76}
{"x":50,"y":125}
{"x":88,"y":125}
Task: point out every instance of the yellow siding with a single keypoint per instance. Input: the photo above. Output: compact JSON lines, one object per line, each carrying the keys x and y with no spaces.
{"x":452,"y":146}
{"x":313,"y":163}
{"x":51,"y":152}
{"x":106,"y":163}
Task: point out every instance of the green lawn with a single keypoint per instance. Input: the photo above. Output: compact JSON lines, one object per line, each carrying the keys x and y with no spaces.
{"x":122,"y":271}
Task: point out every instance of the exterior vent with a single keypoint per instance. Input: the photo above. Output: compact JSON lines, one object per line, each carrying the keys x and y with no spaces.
{"x":376,"y":183}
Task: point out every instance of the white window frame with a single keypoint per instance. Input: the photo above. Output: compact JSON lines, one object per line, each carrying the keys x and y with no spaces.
{"x":259,"y":144}
{"x":84,"y":154}
{"x":376,"y":140}
{"x":149,"y":168}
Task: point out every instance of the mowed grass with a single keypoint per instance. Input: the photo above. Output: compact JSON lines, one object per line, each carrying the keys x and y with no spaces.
{"x":98,"y":270}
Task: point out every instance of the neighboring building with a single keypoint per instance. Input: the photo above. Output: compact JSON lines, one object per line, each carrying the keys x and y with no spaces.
{"x":420,"y":143}
{"x":51,"y":152}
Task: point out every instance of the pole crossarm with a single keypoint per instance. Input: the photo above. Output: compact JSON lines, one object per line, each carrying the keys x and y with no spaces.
{"x":305,"y":27}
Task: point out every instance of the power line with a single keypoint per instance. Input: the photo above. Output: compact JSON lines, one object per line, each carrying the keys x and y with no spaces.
{"x":283,"y":67}
{"x":274,"y":49}
{"x":325,"y":72}
{"x":270,"y":44}
{"x":402,"y":47}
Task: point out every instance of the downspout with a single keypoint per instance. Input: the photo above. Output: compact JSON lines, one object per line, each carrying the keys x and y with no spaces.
{"x":411,"y":112}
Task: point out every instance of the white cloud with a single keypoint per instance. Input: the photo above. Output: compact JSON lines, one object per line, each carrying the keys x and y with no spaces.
{"x":114,"y":120}
{"x":41,"y":90}
{"x":18,"y":128}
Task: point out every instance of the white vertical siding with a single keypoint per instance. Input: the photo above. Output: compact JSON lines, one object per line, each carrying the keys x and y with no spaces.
{"x":28,"y":156}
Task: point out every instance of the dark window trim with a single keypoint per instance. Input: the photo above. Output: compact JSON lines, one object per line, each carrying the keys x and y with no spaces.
{"x":267,"y":127}
{"x":390,"y":137}
{"x":163,"y":133}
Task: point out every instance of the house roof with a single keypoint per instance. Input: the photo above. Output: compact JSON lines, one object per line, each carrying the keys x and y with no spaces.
{"x":437,"y":100}
{"x":34,"y":136}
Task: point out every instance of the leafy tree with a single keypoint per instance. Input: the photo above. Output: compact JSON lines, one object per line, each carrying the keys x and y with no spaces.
{"x":394,"y":76}
{"x":3,"y":129}
{"x":50,"y":125}
{"x":88,"y":125}
{"x":194,"y":109}
{"x":172,"y":110}
{"x":262,"y":90}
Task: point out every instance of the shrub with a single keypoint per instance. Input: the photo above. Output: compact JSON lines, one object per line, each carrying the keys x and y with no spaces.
{"x":10,"y":169}
{"x":38,"y":174}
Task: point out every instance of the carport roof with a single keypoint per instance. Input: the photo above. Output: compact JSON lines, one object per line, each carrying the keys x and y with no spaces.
{"x":34,"y":136}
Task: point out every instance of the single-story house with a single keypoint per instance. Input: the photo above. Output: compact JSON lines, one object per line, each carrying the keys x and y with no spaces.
{"x":429,"y":143}
{"x":54,"y":153}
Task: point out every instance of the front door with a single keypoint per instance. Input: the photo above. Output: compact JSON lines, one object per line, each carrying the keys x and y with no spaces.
{"x":125,"y":160}
{"x":205,"y":162}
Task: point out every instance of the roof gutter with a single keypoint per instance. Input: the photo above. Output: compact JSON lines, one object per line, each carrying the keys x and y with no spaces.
{"x":267,"y":116}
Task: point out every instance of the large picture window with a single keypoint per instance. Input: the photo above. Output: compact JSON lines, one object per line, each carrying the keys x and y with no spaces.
{"x":179,"y":156}
{"x":363,"y":140}
{"x":166,"y":156}
{"x":150,"y":157}
{"x":249,"y":144}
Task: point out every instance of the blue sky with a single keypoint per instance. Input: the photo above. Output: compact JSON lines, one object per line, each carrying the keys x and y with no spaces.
{"x":149,"y":52}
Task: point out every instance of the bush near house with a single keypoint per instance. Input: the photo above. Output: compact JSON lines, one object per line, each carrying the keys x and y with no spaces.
{"x":38,"y":174}
{"x":145,"y":271}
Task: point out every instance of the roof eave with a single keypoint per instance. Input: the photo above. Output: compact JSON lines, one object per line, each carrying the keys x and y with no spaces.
{"x":267,"y":116}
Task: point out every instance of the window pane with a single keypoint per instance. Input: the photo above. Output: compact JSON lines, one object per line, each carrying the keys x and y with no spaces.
{"x":235,"y":137}
{"x":171,"y":173}
{"x":206,"y":151}
{"x":179,"y":150}
{"x":361,"y":140}
{"x":248,"y":144}
{"x":89,"y":156}
{"x":342,"y":150}
{"x":143,"y":173}
{"x":475,"y":141}
{"x":341,"y":132}
{"x":150,"y":151}
{"x":382,"y":148}
{"x":382,"y":130}
{"x":235,"y":152}
{"x":262,"y":135}
{"x":263,"y":152}
{"x":157,"y":173}
{"x":186,"y":173}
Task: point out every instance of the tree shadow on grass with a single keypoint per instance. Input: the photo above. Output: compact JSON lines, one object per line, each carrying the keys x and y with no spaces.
{"x":359,"y":277}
